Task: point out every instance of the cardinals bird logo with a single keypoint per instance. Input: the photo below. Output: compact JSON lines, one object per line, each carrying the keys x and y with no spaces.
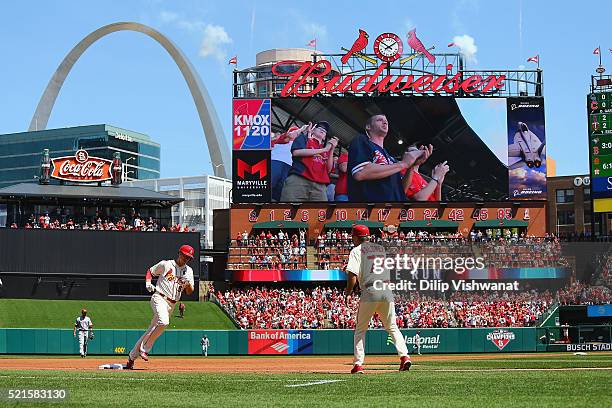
{"x":360,"y":43}
{"x":417,"y":45}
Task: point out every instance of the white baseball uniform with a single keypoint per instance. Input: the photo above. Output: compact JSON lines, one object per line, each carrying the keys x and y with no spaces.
{"x":83,"y":324}
{"x":417,"y":343}
{"x":168,"y":291}
{"x":205,"y":343}
{"x":361,"y":263}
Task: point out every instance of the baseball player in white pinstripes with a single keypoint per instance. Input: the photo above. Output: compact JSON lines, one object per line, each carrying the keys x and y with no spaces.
{"x":173,"y":277}
{"x":83,"y":325}
{"x":360,"y":269}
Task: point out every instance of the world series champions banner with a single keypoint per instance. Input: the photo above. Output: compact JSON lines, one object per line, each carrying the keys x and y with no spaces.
{"x":526,"y":148}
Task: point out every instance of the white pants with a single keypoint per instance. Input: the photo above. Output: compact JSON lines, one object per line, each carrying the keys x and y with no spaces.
{"x":82,"y":341}
{"x":162,"y":309}
{"x":205,"y":351}
{"x":386,"y":310}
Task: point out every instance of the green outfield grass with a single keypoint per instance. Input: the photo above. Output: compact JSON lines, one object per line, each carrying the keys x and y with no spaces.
{"x":106,"y":314}
{"x":494,"y":382}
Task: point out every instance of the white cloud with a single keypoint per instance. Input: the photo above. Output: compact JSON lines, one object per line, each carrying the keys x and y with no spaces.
{"x":168,"y":17}
{"x":252,"y":30}
{"x":215,"y":37}
{"x":522,"y":86}
{"x":408,"y":25}
{"x":467,"y":47}
{"x":313,"y":30}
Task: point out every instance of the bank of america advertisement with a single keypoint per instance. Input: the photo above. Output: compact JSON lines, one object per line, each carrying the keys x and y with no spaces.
{"x":526,"y":148}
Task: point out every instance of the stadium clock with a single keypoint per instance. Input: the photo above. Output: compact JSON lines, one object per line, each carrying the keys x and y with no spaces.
{"x":388,"y":47}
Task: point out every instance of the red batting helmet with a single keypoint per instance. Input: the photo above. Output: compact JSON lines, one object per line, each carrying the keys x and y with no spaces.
{"x":83,"y":311}
{"x":360,"y":230}
{"x":186,"y":250}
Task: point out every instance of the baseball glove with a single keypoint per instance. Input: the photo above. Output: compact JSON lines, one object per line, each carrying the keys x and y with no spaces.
{"x":91,"y":335}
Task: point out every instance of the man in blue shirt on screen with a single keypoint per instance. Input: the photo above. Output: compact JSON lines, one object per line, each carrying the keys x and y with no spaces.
{"x":374,"y":175}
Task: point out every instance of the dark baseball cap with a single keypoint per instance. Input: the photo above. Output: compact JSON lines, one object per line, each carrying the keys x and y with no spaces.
{"x":323,"y":124}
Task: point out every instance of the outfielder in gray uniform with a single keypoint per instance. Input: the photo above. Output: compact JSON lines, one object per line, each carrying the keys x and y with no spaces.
{"x":84,"y":326}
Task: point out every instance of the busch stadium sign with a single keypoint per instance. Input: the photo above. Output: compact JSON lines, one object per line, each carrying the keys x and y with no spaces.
{"x":589,"y":347}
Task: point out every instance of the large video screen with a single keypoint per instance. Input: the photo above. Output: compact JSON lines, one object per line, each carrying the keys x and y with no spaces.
{"x":389,"y":149}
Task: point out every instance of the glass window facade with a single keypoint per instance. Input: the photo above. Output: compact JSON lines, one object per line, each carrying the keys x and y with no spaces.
{"x":565,"y":195}
{"x":20,"y":153}
{"x":565,"y":217}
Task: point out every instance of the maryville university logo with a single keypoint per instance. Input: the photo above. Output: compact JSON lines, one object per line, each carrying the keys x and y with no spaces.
{"x":501,"y":338}
{"x":258,"y":172}
{"x":81,"y":168}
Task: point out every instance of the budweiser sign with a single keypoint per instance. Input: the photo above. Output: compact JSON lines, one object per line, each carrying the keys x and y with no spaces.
{"x":81,"y":168}
{"x":312,"y":78}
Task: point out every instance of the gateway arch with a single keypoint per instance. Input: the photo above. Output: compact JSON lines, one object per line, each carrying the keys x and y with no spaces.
{"x":217,"y":145}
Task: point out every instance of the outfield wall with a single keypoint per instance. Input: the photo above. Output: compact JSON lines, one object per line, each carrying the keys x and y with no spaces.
{"x":270,"y":342}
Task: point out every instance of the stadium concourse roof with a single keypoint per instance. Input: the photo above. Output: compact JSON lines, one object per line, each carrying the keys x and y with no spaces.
{"x":82,"y":193}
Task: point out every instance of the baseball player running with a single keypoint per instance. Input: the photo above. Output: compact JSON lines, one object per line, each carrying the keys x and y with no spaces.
{"x":205,"y":343}
{"x":360,"y":269}
{"x":173,"y":277}
{"x":83,"y":325}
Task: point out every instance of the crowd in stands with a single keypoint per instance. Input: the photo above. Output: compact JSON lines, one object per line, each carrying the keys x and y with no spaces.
{"x":503,"y":250}
{"x":100,"y":224}
{"x":603,"y":272}
{"x":266,"y":250}
{"x":523,"y":252}
{"x":326,"y":307}
{"x":279,"y":308}
{"x":582,"y":294}
{"x":288,"y":250}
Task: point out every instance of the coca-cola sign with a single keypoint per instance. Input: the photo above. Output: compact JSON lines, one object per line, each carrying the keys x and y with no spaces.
{"x":81,"y":168}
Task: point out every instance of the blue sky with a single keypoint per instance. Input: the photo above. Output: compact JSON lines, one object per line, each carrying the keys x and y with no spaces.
{"x":127,"y":80}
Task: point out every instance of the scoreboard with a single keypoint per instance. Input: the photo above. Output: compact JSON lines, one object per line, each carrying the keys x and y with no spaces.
{"x":599,"y":108}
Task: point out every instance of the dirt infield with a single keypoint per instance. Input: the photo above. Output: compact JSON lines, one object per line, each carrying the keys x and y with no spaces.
{"x":245,"y":364}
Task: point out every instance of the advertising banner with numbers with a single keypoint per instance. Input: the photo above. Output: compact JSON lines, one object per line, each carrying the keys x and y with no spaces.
{"x":251,"y":125}
{"x":599,"y":108}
